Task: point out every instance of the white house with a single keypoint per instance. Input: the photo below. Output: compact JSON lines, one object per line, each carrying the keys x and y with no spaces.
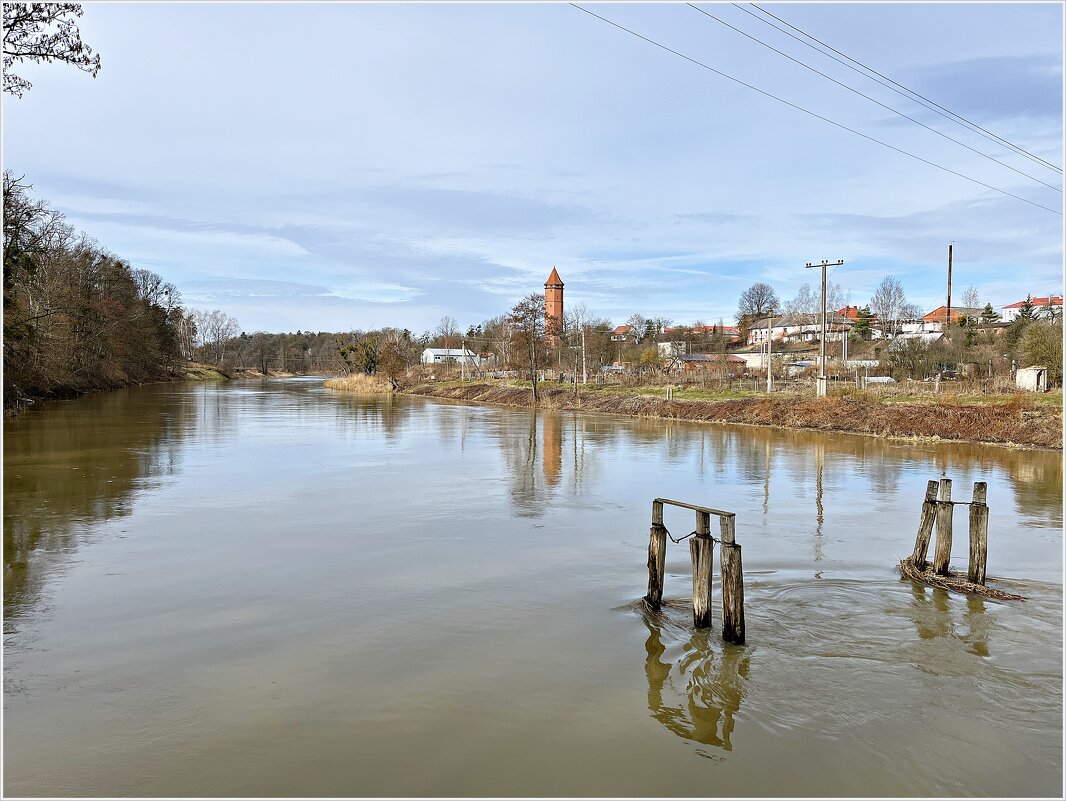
{"x":798,"y":327}
{"x":450,"y":356}
{"x":1040,"y":307}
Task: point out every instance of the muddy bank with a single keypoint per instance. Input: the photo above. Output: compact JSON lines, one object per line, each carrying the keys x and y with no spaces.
{"x":1009,"y":423}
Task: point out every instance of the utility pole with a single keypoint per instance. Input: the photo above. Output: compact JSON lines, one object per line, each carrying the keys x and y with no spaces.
{"x":584,"y":368}
{"x":462,"y":361}
{"x":823,"y":380}
{"x":769,"y":353}
{"x":947,"y":317}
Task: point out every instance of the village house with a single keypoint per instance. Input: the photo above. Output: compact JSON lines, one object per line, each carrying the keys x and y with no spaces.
{"x":432,"y":356}
{"x":669,"y":350}
{"x":1040,"y":308}
{"x":714,"y":363}
{"x":798,"y":328}
{"x":939,"y":315}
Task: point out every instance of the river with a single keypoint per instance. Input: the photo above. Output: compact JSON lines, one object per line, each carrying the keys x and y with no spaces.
{"x":275,"y":589}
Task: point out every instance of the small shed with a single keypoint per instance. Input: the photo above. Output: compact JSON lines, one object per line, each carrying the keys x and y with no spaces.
{"x":1031,"y":379}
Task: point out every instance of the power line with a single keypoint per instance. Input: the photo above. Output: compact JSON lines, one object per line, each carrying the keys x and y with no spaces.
{"x":815,"y":114}
{"x":910,"y":94}
{"x":871,"y":99}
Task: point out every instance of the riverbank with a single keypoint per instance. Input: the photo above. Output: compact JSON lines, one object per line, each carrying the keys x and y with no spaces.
{"x":16,"y":402}
{"x":1013,"y":421}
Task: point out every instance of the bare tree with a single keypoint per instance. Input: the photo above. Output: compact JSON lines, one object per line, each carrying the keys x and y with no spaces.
{"x":527,"y":318}
{"x":43,"y":32}
{"x":185,"y":325}
{"x":639,"y":323}
{"x":806,"y":301}
{"x":809,"y":301}
{"x":447,"y":330}
{"x":499,"y":333}
{"x":215,"y":328}
{"x":887,"y":303}
{"x":756,"y":301}
{"x":910,"y":311}
{"x":971,"y":298}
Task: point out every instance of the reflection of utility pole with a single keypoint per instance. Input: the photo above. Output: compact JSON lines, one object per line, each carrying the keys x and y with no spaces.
{"x":820,"y":457}
{"x":766,"y":480}
{"x":823,"y":381}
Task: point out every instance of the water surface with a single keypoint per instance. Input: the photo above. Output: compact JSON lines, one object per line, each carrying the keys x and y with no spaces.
{"x":276,"y":589}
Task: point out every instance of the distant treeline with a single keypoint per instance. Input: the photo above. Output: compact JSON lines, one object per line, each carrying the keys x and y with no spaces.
{"x":76,"y":317}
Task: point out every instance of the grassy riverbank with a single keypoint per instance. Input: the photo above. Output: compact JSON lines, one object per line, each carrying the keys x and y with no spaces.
{"x":365,"y":384}
{"x":1010,"y":420}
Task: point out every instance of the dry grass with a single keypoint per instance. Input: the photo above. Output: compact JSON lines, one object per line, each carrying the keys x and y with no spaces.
{"x":364,"y":384}
{"x":1012,"y":422}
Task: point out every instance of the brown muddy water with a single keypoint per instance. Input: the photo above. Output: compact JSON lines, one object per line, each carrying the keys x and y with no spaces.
{"x":276,"y":589}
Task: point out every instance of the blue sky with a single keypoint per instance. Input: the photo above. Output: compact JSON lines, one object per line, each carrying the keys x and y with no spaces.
{"x":340,"y":166}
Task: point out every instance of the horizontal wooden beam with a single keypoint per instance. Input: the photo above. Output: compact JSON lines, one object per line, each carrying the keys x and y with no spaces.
{"x":692,"y":506}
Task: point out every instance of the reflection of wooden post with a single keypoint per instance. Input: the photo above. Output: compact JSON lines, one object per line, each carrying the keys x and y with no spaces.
{"x":942,"y":554}
{"x":978,"y":533}
{"x":701,"y":547}
{"x":732,"y":583}
{"x":925,"y":526}
{"x":656,"y":557}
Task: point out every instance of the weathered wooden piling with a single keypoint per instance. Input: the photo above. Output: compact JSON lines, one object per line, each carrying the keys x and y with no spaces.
{"x":732,"y":574}
{"x":701,"y":547}
{"x":942,"y":552}
{"x":978,"y":533}
{"x":656,"y":557}
{"x":925,"y":526}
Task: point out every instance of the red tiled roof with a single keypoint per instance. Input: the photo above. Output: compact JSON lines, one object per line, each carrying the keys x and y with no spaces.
{"x":1055,"y":300}
{"x":712,"y":357}
{"x":554,"y":278}
{"x":623,"y":329}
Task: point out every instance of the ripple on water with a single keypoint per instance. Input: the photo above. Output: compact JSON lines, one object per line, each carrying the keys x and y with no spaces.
{"x":879,"y":668}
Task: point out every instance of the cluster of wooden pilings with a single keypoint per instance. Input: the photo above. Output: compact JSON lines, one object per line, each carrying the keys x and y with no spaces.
{"x":701,"y":549}
{"x":939,"y":511}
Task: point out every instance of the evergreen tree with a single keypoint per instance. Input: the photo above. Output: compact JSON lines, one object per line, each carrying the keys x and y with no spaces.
{"x":989,"y":315}
{"x":1028,"y":310}
{"x":861,"y":328}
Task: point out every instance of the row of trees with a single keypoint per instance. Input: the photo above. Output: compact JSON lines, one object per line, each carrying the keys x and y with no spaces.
{"x":77,"y":317}
{"x":888,"y":304}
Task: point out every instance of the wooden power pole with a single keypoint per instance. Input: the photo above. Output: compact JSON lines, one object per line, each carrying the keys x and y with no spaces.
{"x":823,"y":380}
{"x":947,"y":317}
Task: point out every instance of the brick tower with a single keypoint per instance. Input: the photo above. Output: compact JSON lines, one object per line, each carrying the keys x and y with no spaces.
{"x":553,"y":308}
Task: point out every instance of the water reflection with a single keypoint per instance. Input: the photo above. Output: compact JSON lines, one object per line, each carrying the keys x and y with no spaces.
{"x":697,"y":694}
{"x":69,"y":465}
{"x":930,"y":610}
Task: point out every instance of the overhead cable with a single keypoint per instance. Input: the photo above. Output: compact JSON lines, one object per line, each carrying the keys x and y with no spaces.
{"x":871,"y":99}
{"x":815,"y":114}
{"x":910,"y":94}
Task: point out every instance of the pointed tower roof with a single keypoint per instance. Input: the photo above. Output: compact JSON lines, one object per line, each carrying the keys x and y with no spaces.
{"x":554,"y":278}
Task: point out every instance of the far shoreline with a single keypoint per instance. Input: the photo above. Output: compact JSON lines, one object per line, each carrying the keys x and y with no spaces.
{"x":1009,"y":423}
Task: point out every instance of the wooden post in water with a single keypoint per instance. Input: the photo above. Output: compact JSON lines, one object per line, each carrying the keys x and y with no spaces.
{"x":656,"y":557}
{"x":701,"y":547}
{"x":925,"y":526}
{"x":732,"y":583}
{"x":978,"y":533}
{"x":942,"y":553}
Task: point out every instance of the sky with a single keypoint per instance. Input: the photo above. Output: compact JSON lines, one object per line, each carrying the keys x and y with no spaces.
{"x":348,"y":166}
